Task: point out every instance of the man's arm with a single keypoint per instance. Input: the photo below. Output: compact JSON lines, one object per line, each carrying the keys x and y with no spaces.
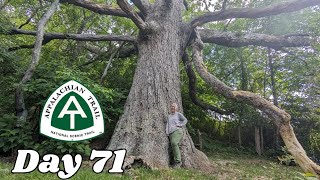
{"x":183,"y":120}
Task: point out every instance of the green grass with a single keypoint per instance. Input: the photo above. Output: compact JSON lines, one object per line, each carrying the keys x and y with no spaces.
{"x":229,"y":162}
{"x":87,"y":173}
{"x":232,"y":167}
{"x":253,"y":167}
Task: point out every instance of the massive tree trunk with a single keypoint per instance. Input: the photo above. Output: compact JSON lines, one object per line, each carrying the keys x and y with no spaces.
{"x":156,"y":84}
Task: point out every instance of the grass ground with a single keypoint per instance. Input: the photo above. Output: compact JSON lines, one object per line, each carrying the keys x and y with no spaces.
{"x":232,"y":167}
{"x":230,"y":163}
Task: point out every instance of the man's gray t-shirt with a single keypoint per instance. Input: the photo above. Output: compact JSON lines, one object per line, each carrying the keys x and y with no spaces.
{"x":174,"y":122}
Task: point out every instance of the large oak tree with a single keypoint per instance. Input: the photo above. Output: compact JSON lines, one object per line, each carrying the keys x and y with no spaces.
{"x":162,"y":41}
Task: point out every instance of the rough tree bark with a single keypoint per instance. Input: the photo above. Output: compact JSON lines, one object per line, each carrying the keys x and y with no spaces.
{"x":280,"y":118}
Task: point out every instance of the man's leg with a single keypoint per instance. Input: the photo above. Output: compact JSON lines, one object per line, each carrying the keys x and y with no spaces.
{"x":175,"y":138}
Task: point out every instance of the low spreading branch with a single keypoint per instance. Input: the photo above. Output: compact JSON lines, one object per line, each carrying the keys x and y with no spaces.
{"x":135,"y":17}
{"x":230,"y":39}
{"x":274,"y":9}
{"x":192,"y":88}
{"x":77,"y":37}
{"x":97,"y":8}
{"x":279,"y":117}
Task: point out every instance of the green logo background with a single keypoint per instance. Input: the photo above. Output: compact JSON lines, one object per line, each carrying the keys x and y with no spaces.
{"x":64,"y":123}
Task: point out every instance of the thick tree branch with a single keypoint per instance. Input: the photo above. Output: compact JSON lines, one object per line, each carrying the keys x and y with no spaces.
{"x":135,"y":17}
{"x":296,"y":34}
{"x":278,"y":8}
{"x":142,"y":5}
{"x":21,"y":111}
{"x":39,"y":38}
{"x":77,"y":37}
{"x":124,"y":52}
{"x":30,"y":46}
{"x":25,"y":46}
{"x":280,"y":118}
{"x":192,"y":88}
{"x":98,"y":8}
{"x":242,"y":96}
{"x":238,"y":40}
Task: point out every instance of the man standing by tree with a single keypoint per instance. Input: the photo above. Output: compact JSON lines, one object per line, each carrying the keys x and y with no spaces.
{"x":174,"y":129}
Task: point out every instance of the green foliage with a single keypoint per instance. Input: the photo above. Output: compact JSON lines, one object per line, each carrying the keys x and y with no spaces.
{"x":36,"y":93}
{"x":11,"y":137}
{"x":286,"y":159}
{"x":5,"y":24}
{"x":19,"y":135}
{"x":48,"y":76}
{"x":62,"y":148}
{"x":45,"y":83}
{"x":315,"y":142}
{"x":7,"y":69}
{"x":60,"y":62}
{"x":223,"y":149}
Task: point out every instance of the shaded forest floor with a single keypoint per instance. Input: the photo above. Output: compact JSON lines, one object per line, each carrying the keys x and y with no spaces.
{"x":230,"y":163}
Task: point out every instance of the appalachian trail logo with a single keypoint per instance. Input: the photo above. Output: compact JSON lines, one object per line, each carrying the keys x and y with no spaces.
{"x":72,"y":113}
